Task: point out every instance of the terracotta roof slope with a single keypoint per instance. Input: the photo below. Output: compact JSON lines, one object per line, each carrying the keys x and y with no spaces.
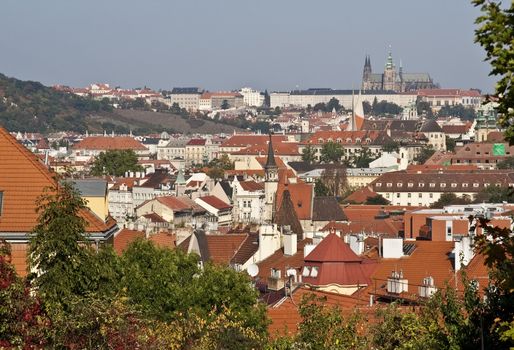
{"x":109,"y":143}
{"x":332,"y":249}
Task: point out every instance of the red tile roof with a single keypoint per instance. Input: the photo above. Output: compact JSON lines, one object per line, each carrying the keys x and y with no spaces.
{"x":196,"y":142}
{"x":109,"y":143}
{"x":163,"y":239}
{"x":280,"y":149}
{"x":23,"y":179}
{"x":332,"y":249}
{"x":123,"y":239}
{"x":222,"y":248}
{"x":174,"y":203}
{"x":215,"y":202}
{"x":301,"y":196}
{"x":252,"y":186}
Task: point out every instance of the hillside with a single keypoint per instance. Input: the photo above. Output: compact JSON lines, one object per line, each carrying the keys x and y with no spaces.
{"x":147,"y":121}
{"x":31,"y":106}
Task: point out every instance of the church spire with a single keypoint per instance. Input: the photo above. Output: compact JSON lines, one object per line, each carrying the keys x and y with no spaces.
{"x":270,"y":162}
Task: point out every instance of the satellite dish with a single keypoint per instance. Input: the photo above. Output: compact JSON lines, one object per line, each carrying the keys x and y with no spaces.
{"x":253,"y":270}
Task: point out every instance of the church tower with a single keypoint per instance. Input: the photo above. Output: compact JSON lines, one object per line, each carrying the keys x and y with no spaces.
{"x":270,"y":183}
{"x":389,"y":79}
{"x":366,"y":74}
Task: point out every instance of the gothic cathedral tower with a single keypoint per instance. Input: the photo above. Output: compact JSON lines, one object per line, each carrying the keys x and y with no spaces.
{"x":389,"y":79}
{"x":366,"y":74}
{"x":270,"y":183}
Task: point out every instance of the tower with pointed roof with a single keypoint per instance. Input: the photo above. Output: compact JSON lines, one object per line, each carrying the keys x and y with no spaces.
{"x":366,"y":73}
{"x":270,"y":183}
{"x":389,"y":79}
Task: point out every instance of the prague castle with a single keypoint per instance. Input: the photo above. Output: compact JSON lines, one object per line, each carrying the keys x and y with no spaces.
{"x":392,"y":80}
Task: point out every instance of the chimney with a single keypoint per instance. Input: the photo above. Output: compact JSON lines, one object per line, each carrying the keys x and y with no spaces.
{"x":356,"y":243}
{"x":290,"y":244}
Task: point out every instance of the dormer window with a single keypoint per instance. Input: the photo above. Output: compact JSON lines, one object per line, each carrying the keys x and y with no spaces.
{"x":314,"y":271}
{"x":378,"y":184}
{"x":348,"y":140}
{"x":454,"y":185}
{"x":339,"y":140}
{"x":320,"y":140}
{"x":421,"y":184}
{"x":389,"y":184}
{"x":410,"y":184}
{"x":432,"y":184}
{"x":443,"y":184}
{"x":476,"y":184}
{"x":464,"y":184}
{"x":399,"y":184}
{"x":357,"y":140}
{"x":486,"y":185}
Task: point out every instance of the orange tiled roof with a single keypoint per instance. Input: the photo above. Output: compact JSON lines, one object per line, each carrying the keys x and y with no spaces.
{"x":280,"y":148}
{"x":250,"y":140}
{"x":164,"y":239}
{"x":110,"y":143}
{"x":23,"y":179}
{"x":301,"y":196}
{"x":222,"y":248}
{"x":122,"y":240}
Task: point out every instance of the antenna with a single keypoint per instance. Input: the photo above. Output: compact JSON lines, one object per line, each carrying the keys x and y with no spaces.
{"x":253,"y":270}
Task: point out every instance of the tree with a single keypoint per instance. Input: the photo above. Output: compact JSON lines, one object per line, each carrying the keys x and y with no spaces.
{"x":331,"y":152}
{"x":115,"y":162}
{"x":423,"y":108}
{"x":494,"y":34}
{"x":309,"y":154}
{"x":449,"y":199}
{"x":495,"y":194}
{"x":320,"y":189}
{"x":225,"y":105}
{"x":333,"y":104}
{"x":376,"y":200}
{"x":507,"y":163}
{"x":366,"y":108}
{"x":450,"y":144}
{"x":334,"y":180}
{"x":466,"y":113}
{"x":319,"y":107}
{"x":386,"y":108}
{"x":391,"y":146}
{"x":363,"y":158}
{"x":64,"y":267}
{"x":216,"y":173}
{"x":424,"y":155}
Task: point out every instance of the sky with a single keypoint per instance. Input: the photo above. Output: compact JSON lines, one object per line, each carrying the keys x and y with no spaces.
{"x":277,"y":45}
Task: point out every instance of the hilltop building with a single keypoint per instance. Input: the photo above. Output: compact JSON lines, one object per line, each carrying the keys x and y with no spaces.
{"x":392,"y":80}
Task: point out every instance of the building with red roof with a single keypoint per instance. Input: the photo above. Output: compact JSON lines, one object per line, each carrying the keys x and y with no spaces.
{"x":220,"y":211}
{"x":92,"y":146}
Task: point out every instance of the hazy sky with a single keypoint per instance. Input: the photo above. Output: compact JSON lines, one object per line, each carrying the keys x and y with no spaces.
{"x":227,"y":44}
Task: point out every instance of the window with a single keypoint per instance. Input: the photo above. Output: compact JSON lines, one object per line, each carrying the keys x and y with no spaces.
{"x":476,"y":184}
{"x":410,"y":184}
{"x":389,"y":184}
{"x":443,"y":185}
{"x":397,"y":195}
{"x":454,"y":184}
{"x":314,"y":271}
{"x":408,"y":195}
{"x":432,"y":184}
{"x":378,"y":184}
{"x":464,"y":184}
{"x":431,"y":195}
{"x":399,"y":184}
{"x":306,"y":271}
{"x":421,"y":184}
{"x":420,"y":195}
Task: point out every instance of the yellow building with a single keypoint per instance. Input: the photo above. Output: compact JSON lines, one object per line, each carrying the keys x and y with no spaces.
{"x":94,"y":192}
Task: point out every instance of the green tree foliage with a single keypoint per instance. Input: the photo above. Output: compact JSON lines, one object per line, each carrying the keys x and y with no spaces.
{"x":333,"y":104}
{"x":424,"y":155}
{"x":62,"y":264}
{"x":31,"y":106}
{"x":494,"y":33}
{"x":333,"y":181}
{"x":449,"y":198}
{"x":331,"y":152}
{"x":376,"y":200}
{"x":225,"y":105}
{"x":115,"y":162}
{"x":319,"y":107}
{"x":424,"y":108}
{"x":467,"y":113}
{"x":309,"y":154}
{"x":495,"y":194}
{"x":363,"y":158}
{"x":450,"y":144}
{"x":507,"y":163}
{"x":391,"y":146}
{"x":320,"y":189}
{"x":382,"y":108}
{"x":323,"y":327}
